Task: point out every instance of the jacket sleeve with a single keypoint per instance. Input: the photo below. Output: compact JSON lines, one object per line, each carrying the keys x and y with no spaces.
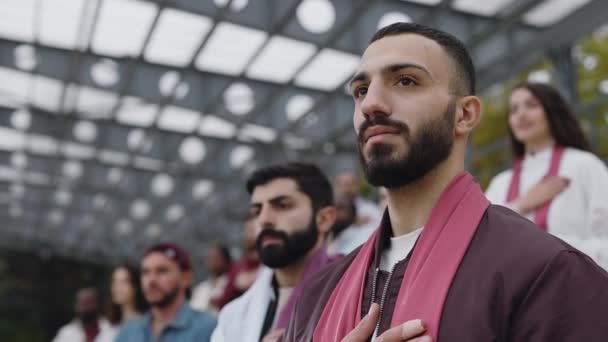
{"x":567,"y":302}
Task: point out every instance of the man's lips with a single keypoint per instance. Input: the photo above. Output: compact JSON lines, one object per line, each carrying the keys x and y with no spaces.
{"x":378,"y":130}
{"x":271,"y":240}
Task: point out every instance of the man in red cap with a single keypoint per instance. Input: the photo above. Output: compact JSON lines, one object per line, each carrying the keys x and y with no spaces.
{"x":166,"y":277}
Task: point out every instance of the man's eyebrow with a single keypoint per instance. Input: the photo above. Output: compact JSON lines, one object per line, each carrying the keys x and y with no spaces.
{"x":391,"y":68}
{"x":360,"y":76}
{"x":398,"y":66}
{"x":272,"y":200}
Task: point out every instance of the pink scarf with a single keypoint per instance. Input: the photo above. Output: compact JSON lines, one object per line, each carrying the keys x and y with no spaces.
{"x":430,"y":271}
{"x":542,"y":212}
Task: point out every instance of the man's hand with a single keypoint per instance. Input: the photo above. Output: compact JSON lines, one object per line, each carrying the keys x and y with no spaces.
{"x":541,"y":193}
{"x":410,"y":331}
{"x":274,"y":336}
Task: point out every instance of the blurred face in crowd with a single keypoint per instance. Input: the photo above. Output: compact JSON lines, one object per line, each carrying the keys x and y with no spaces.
{"x":250,"y":234}
{"x":347,"y":184}
{"x":404,"y":109}
{"x":286,"y":225}
{"x":162,"y":280}
{"x":87,"y":305}
{"x":216,"y":262}
{"x":121,"y":288}
{"x":527,"y":118}
{"x":345,"y":214}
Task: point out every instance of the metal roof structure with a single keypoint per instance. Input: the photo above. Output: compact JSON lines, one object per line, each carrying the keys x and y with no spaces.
{"x":125,"y":122}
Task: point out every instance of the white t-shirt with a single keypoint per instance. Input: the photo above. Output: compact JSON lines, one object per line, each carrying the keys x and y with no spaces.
{"x":74,"y":332}
{"x":399,"y":249}
{"x":579,"y":214}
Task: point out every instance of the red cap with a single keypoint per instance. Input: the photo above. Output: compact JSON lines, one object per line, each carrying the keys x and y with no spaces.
{"x":173,"y":252}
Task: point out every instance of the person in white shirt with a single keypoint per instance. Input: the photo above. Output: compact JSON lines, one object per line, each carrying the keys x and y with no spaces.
{"x":556,"y":181}
{"x":205,"y":295}
{"x":346,"y":184}
{"x":347,"y":234}
{"x":88,"y":326}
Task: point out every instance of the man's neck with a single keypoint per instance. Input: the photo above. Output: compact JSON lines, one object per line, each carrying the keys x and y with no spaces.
{"x":161,"y":317}
{"x":288,"y":276}
{"x":410,"y":206}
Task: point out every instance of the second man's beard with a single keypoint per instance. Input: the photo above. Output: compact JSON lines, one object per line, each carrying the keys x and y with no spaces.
{"x":294,"y":246}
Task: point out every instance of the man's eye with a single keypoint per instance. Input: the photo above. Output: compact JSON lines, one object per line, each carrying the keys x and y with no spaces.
{"x":359,"y":91}
{"x":407,"y":81}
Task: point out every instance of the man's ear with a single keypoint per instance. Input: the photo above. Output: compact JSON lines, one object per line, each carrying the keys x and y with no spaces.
{"x":468,"y":115}
{"x":325,"y":219}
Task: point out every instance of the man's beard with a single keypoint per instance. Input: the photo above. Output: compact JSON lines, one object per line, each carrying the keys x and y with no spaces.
{"x":294,"y":246}
{"x":340,"y":226}
{"x":431,"y":145}
{"x":167,"y":299}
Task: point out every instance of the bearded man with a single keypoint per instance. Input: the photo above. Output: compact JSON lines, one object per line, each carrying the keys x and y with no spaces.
{"x":166,"y":278}
{"x":292,"y":206}
{"x":444,"y":265}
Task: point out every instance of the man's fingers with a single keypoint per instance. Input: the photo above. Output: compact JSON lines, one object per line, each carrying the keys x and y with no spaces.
{"x":274,"y":336}
{"x":408,"y":331}
{"x":366,"y":327}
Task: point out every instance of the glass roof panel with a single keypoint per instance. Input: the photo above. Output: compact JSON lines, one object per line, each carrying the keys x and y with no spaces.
{"x":328,"y":70}
{"x":550,"y":12}
{"x":213,"y":126}
{"x":95,"y":102}
{"x":61,"y":22}
{"x":11,"y":139}
{"x":240,"y":155}
{"x":17,"y":20}
{"x":230,"y":48}
{"x":257,"y":132}
{"x":135,"y":111}
{"x":113,"y":157}
{"x":42,"y":144}
{"x":486,"y":8}
{"x":122,"y":27}
{"x":46,"y":93}
{"x":280,"y":59}
{"x":178,"y":119}
{"x":176,"y":37}
{"x":14,"y":85}
{"x":79,"y":151}
{"x":148,"y":163}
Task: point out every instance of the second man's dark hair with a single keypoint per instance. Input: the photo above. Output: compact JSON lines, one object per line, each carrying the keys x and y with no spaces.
{"x":464,"y":76}
{"x":309,"y":178}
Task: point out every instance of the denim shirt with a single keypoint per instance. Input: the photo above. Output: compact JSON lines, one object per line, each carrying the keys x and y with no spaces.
{"x":188,"y":325}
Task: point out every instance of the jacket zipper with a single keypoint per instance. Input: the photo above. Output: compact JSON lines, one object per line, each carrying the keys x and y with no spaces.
{"x":383,"y":298}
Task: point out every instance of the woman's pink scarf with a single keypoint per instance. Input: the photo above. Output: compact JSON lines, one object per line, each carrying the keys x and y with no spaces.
{"x":430,"y":271}
{"x":542,"y":212}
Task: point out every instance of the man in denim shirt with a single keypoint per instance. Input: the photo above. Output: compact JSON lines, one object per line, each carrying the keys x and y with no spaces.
{"x":166,"y":276}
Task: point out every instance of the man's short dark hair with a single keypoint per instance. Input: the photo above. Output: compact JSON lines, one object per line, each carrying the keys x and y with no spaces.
{"x":464,"y":76}
{"x":308,"y":177}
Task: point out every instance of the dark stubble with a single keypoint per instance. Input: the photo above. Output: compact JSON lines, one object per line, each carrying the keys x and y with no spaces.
{"x":430,"y":146}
